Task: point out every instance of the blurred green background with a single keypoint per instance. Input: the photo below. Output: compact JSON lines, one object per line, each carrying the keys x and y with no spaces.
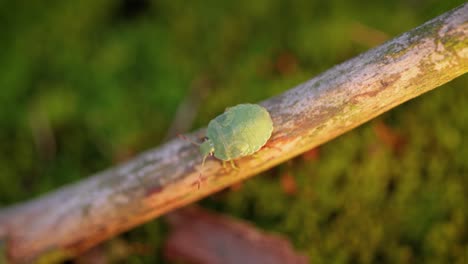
{"x":87,"y":84}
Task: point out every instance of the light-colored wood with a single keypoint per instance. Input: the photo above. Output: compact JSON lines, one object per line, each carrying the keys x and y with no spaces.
{"x":74,"y":218}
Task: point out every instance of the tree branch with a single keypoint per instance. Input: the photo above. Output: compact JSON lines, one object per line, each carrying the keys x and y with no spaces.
{"x":76,"y":217}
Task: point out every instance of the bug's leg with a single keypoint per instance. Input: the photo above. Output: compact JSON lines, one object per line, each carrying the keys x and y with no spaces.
{"x":233,"y":165}
{"x":224,"y":164}
{"x":200,"y":178}
{"x":197,"y":182}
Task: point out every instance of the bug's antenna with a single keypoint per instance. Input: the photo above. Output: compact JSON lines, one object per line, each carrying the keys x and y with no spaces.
{"x":200,"y":176}
{"x":188,"y":139}
{"x":203,"y":162}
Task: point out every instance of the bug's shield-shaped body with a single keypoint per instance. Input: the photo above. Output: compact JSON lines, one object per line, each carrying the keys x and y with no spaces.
{"x":240,"y":131}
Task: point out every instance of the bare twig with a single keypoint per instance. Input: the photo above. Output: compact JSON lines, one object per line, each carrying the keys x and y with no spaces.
{"x":76,"y":217}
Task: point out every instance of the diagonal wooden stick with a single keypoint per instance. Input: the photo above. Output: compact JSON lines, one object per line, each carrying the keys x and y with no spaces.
{"x":74,"y":218}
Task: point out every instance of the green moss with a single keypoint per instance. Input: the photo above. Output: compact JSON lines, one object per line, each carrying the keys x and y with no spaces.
{"x":53,"y":257}
{"x":453,"y":43}
{"x":396,"y":50}
{"x":3,"y":253}
{"x":427,"y":30}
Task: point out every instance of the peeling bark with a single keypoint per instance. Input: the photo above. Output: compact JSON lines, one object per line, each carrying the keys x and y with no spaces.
{"x":76,"y":217}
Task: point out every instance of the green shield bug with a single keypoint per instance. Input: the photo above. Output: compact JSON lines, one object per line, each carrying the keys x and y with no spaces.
{"x":238,"y":132}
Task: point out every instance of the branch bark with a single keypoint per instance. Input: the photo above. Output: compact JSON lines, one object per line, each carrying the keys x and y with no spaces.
{"x":74,"y":218}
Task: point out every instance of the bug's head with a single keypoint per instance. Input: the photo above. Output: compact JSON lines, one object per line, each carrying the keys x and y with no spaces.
{"x":207,"y":148}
